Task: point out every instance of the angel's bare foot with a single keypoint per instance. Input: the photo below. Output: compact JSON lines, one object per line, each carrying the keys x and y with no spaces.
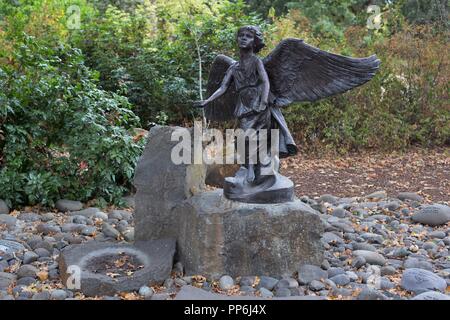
{"x":250,"y":174}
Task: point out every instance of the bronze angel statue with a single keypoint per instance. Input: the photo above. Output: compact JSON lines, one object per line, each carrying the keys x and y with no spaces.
{"x":254,"y":90}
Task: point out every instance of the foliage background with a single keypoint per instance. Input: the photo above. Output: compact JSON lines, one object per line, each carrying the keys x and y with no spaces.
{"x":71,"y":99}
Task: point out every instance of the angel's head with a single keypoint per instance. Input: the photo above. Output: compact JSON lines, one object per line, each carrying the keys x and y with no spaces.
{"x":250,"y":37}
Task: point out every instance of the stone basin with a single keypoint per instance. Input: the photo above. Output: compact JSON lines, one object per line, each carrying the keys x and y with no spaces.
{"x":108,"y":269}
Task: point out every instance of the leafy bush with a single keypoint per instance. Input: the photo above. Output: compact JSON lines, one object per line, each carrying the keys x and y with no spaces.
{"x":65,"y":110}
{"x":153,"y":54}
{"x":405,"y":104}
{"x":61,"y":136}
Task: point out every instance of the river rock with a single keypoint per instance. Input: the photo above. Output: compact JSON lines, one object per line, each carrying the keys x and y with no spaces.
{"x":377,"y":195}
{"x":433,"y":215}
{"x":412,"y":262}
{"x":48,"y":229}
{"x":27,"y":270}
{"x":328,"y":198}
{"x":29,"y":216}
{"x":101,"y":215}
{"x":371,"y":294}
{"x":267,"y":283}
{"x":308,"y":273}
{"x":341,"y":279}
{"x":330,"y":238}
{"x":110,"y":231}
{"x":340,"y":212}
{"x":363,"y":246}
{"x":437,"y":234}
{"x":8,"y":220}
{"x":4,"y":208}
{"x":226,"y":283}
{"x":420,"y":280}
{"x":409,"y":196}
{"x":9,"y":246}
{"x":193,"y":293}
{"x":29,"y":257}
{"x":64,"y":205}
{"x":431,"y":295}
{"x":371,"y":257}
{"x":146,"y":292}
{"x":58,"y":294}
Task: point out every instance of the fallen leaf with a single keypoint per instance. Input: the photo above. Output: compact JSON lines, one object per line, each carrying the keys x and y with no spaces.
{"x":42,"y":275}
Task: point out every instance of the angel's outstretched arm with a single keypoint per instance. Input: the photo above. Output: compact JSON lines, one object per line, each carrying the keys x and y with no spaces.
{"x":223,"y":87}
{"x":265,"y":79}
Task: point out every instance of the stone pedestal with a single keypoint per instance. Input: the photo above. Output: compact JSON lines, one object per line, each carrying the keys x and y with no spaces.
{"x":275,"y":189}
{"x":217,"y":236}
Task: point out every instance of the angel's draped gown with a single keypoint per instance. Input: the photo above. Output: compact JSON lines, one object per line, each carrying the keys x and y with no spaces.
{"x":249,"y":88}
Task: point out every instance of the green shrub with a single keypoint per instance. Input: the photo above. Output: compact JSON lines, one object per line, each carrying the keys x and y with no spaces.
{"x":405,"y":104}
{"x":61,"y":136}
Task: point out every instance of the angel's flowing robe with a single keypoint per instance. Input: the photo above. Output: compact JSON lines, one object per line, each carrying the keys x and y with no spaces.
{"x":249,"y":88}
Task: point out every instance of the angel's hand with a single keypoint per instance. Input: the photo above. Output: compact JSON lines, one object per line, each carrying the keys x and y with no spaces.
{"x":200,"y":104}
{"x":263,"y":105}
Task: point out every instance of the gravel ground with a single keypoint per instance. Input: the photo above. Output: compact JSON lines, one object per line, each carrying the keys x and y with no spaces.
{"x":376,"y":247}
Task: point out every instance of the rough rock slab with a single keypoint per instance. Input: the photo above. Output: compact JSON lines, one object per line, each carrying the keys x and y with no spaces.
{"x":217,"y":236}
{"x":156,"y":257}
{"x":193,"y":293}
{"x":161,"y":184}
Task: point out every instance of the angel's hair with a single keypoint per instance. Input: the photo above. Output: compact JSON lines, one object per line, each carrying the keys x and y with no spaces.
{"x":259,"y":39}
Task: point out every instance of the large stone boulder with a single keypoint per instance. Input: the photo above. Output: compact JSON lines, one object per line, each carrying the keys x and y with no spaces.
{"x":161,"y":185}
{"x":217,"y":236}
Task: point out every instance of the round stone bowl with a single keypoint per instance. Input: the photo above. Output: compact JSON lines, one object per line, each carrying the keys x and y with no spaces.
{"x":99,"y":269}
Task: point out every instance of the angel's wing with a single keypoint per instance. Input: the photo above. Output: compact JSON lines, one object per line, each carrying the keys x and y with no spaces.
{"x":300,"y":72}
{"x":221,"y":109}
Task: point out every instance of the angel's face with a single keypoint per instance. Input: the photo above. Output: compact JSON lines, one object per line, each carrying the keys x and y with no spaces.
{"x":246,"y":39}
